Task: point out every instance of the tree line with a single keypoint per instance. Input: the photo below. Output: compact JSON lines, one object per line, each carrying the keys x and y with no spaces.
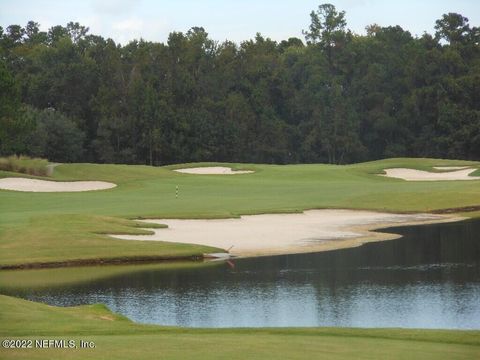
{"x":336,"y":97}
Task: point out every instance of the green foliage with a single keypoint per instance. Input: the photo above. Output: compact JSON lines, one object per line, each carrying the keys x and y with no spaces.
{"x":340,"y":98}
{"x":55,"y":136}
{"x":326,"y":27}
{"x":25,"y":165}
{"x":452,"y":27}
{"x":9,"y":106}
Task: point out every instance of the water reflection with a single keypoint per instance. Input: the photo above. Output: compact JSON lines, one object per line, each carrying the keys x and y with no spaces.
{"x":428,"y":279}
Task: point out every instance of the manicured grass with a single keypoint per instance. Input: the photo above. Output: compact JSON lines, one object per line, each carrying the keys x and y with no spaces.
{"x":116,"y":337}
{"x":19,"y":280}
{"x":43,"y":227}
{"x":70,"y":238}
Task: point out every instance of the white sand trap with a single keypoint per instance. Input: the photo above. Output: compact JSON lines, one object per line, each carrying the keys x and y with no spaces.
{"x":213,"y":170}
{"x":420,"y":175}
{"x":34,"y":185}
{"x":257,"y":235}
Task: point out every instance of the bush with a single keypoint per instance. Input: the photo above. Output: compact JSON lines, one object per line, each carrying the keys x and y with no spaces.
{"x":55,"y":136}
{"x":24,"y":164}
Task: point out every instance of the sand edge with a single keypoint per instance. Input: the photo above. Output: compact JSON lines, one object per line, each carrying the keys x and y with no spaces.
{"x":365,"y":233}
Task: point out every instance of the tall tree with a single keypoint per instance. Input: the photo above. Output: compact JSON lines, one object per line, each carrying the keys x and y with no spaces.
{"x":452,"y":27}
{"x":339,"y":98}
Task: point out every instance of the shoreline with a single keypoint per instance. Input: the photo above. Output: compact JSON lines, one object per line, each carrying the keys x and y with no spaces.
{"x":103,"y":261}
{"x":286,"y":234}
{"x":367,"y":233}
{"x":376,"y":233}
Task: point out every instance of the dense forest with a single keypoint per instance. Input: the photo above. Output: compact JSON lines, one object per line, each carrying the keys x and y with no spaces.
{"x":335,"y":97}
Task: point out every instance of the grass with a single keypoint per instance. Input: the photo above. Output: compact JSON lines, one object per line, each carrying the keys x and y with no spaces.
{"x":62,"y":227}
{"x":116,"y":337}
{"x":50,"y":227}
{"x":25,"y":165}
{"x":15,"y":281}
{"x":71,"y":238}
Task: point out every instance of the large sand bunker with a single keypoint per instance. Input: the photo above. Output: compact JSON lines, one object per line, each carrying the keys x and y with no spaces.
{"x":272,"y":234}
{"x":420,"y":175}
{"x":34,"y":185}
{"x":213,"y":170}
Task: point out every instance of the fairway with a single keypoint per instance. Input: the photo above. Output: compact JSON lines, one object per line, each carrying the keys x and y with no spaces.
{"x":66,"y":227}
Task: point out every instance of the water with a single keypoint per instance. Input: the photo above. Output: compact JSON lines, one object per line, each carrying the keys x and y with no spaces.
{"x":428,"y":279}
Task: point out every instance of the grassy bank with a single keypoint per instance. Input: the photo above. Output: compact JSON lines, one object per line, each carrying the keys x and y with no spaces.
{"x":117,"y":337}
{"x":79,"y":239}
{"x":14,"y":281}
{"x":49,"y":227}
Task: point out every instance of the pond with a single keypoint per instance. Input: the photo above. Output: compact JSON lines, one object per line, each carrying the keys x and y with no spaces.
{"x":430,"y":278}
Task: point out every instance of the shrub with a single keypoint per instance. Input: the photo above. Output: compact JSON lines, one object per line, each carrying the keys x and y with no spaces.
{"x":24,"y":164}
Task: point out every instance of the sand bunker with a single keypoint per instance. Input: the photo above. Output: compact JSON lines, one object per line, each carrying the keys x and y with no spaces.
{"x":213,"y":170}
{"x":272,"y":234}
{"x":33,"y":185}
{"x":420,"y":175}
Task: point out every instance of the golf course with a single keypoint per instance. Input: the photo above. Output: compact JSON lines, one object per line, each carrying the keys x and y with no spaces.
{"x":63,"y":229}
{"x":240,"y":180}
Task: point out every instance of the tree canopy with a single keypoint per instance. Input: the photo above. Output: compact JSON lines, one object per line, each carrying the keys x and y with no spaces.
{"x":338,"y":97}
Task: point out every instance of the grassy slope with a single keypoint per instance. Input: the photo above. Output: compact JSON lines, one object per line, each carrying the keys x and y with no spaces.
{"x":20,"y":280}
{"x":77,"y":236}
{"x":118,"y":338}
{"x":39,"y":227}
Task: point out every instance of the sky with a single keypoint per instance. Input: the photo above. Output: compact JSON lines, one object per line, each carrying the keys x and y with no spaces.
{"x":235,"y":20}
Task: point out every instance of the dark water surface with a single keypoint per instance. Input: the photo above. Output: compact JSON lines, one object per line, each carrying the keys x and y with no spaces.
{"x":428,"y":279}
